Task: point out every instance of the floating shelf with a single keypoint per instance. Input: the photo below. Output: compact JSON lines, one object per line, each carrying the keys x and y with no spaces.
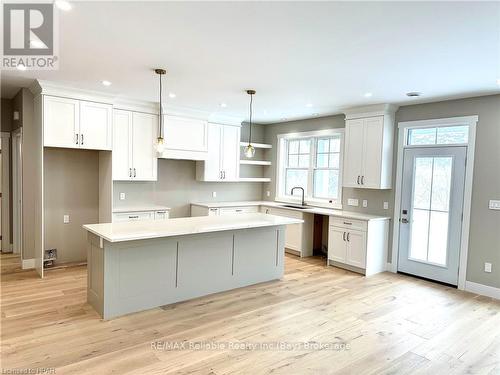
{"x":255,"y":162}
{"x":256,"y":145}
{"x":255,"y":179}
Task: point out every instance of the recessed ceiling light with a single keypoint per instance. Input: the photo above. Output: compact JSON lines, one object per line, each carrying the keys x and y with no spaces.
{"x":413,"y":94}
{"x":309,"y":105}
{"x":21,"y":66}
{"x":368,"y":95}
{"x":315,"y":114}
{"x":223,"y":105}
{"x":35,"y":43}
{"x":106,"y":83}
{"x":498,"y":81}
{"x":171,"y":95}
{"x":63,"y":5}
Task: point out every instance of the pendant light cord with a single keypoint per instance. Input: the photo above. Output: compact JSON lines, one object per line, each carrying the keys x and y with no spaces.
{"x":161,"y":112}
{"x":250,"y":131}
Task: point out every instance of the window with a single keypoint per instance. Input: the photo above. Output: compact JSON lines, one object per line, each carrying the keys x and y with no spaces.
{"x":312,"y":161}
{"x":445,"y":135}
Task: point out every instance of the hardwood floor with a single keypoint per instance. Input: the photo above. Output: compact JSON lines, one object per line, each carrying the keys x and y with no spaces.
{"x":10,"y":263}
{"x":391,"y":324}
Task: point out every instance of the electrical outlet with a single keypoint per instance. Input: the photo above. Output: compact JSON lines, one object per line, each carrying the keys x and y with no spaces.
{"x":352,"y":202}
{"x":268,"y":193}
{"x":122,"y":196}
{"x":365,"y":203}
{"x":66,"y":219}
{"x":16,"y":115}
{"x":494,"y":205}
{"x":386,"y":205}
{"x":214,"y":194}
{"x":487,"y":267}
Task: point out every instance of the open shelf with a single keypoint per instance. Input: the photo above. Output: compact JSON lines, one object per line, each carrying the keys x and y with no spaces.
{"x":256,"y":145}
{"x":255,"y":179}
{"x":255,"y":162}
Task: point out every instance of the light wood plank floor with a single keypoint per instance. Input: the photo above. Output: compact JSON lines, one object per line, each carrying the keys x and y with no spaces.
{"x":10,"y":263}
{"x":391,"y":324}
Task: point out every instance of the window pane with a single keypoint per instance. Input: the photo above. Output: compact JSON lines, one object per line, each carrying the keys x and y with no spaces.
{"x":293,"y":161}
{"x":335,"y":144}
{"x":422,"y":183}
{"x":334,"y":161}
{"x":441,"y":183}
{"x":293,"y":147}
{"x":452,"y":134}
{"x":295,"y":177}
{"x":322,"y":161}
{"x":438,"y":237}
{"x":323,"y":145}
{"x":326,"y":184}
{"x":419,"y":234}
{"x":304,"y":161}
{"x":304,"y":146}
{"x":422,"y":136}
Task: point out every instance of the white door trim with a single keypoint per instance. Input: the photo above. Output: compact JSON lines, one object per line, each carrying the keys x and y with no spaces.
{"x":17,"y":194}
{"x":403,"y":128}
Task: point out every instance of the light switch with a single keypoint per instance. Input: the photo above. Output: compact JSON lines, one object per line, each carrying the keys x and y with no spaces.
{"x":66,"y":219}
{"x":122,"y":196}
{"x":214,"y":194}
{"x":487,"y":267}
{"x":16,"y":115}
{"x":365,"y":203}
{"x":352,"y":202}
{"x":386,"y":205}
{"x":268,"y":193}
{"x":494,"y":205}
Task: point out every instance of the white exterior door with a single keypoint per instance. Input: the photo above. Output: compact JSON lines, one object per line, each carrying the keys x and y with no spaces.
{"x":95,"y":126}
{"x":356,"y":249}
{"x":431,"y":212}
{"x":337,"y":248}
{"x":144,"y":162}
{"x":353,"y":158}
{"x":230,"y":153}
{"x":372,"y":151}
{"x":122,"y":145}
{"x":61,"y":117}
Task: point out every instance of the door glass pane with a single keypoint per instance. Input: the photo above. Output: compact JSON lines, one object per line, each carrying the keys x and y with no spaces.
{"x":419,"y":234}
{"x":438,"y":237}
{"x":422,"y":183}
{"x":452,"y":134}
{"x":295,"y":177}
{"x":326,"y":183}
{"x":441,"y":182}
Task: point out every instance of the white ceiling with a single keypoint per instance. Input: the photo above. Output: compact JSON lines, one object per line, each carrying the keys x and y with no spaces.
{"x":293,"y":53}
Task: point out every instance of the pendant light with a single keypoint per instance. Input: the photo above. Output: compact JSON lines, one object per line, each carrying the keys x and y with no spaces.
{"x":250,"y":150}
{"x":160,"y":142}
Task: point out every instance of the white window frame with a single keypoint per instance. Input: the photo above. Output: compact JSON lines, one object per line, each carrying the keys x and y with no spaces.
{"x":280,"y":167}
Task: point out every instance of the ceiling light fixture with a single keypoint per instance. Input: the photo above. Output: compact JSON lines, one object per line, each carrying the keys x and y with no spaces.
{"x":249,"y":149}
{"x":63,"y":5}
{"x":21,"y":67}
{"x":106,"y":83}
{"x":223,"y":105}
{"x":368,"y":95}
{"x":413,"y":94}
{"x":160,"y":142}
{"x":171,"y":95}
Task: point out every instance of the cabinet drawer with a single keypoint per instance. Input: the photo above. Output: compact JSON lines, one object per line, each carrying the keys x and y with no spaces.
{"x":133,"y":216}
{"x":161,"y":215}
{"x":348,"y":223}
{"x":238,"y":210}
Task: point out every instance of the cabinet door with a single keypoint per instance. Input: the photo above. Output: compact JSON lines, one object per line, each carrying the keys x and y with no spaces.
{"x":230,"y":161}
{"x":356,"y":249}
{"x":122,"y":145}
{"x":372,"y":151}
{"x":337,"y":246}
{"x":95,"y":126}
{"x":353,"y":155}
{"x":212,"y":170}
{"x":60,"y":122}
{"x":185,"y":134}
{"x":144,"y":162}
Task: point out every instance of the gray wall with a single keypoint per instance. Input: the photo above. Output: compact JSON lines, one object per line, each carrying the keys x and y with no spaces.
{"x":484,"y":244}
{"x":6,"y":115}
{"x":71,"y":187}
{"x":177,"y":186}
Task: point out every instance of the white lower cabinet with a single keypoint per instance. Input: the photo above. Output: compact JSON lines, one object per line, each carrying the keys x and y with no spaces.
{"x":358,"y":245}
{"x":140,"y":216}
{"x":220,"y":211}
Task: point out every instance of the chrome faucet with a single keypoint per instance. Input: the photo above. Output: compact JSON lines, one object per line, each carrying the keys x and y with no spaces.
{"x":301,"y":188}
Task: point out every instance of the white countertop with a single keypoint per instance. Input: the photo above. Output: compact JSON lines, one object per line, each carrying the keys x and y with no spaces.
{"x":141,"y":230}
{"x":140,"y":208}
{"x":310,"y":209}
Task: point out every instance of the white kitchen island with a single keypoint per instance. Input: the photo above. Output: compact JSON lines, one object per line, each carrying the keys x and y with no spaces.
{"x":134,"y":266}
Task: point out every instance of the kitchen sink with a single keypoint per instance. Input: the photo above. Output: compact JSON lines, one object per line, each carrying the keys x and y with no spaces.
{"x":297,"y":207}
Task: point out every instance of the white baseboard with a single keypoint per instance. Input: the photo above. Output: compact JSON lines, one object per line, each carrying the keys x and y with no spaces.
{"x":390,"y":268}
{"x":484,"y":290}
{"x":28,"y":264}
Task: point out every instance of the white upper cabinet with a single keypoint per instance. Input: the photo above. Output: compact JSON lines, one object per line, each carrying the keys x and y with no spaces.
{"x":368,"y":152}
{"x":222,"y":163}
{"x":134,"y":154}
{"x":77,"y":124}
{"x":185,"y":138}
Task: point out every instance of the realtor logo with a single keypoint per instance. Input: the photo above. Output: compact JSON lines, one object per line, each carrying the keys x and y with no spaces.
{"x":28,"y":36}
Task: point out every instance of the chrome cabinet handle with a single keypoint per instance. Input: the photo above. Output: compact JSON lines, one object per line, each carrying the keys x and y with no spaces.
{"x":347,"y":223}
{"x":343,"y":236}
{"x":135,"y":173}
{"x":224,"y":174}
{"x":362,"y":180}
{"x":348,"y":236}
{"x":220,"y":175}
{"x":358,"y":180}
{"x":130,"y":172}
{"x":81,"y":139}
{"x":76,"y":138}
{"x":133,"y":217}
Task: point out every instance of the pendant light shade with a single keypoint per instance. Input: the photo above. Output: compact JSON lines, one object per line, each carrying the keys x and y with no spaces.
{"x":160,"y":142}
{"x":249,"y":150}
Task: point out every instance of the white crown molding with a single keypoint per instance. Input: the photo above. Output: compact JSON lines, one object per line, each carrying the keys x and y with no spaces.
{"x":370,"y":110}
{"x":40,"y":87}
